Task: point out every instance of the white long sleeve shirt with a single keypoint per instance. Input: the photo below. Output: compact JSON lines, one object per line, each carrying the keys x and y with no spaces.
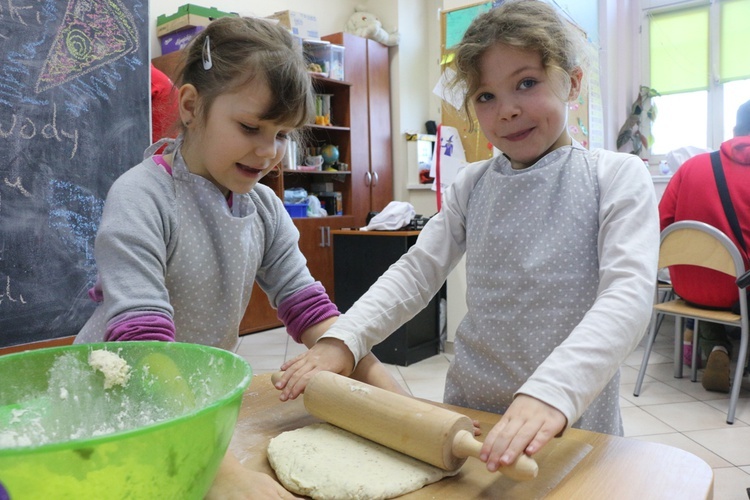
{"x":561,"y":267}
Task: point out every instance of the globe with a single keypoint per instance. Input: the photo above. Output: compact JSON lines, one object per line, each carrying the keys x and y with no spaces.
{"x":330,"y":154}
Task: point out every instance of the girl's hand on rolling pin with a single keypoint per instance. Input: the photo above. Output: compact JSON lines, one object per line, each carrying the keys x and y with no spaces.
{"x":327,"y":354}
{"x":477,"y":427}
{"x":526,"y":427}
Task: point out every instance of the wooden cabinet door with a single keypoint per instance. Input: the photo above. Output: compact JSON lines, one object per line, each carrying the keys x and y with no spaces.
{"x":169,"y":64}
{"x":316,"y":243}
{"x":259,"y":314}
{"x":379,"y":106}
{"x":367,"y":68}
{"x":355,"y":72}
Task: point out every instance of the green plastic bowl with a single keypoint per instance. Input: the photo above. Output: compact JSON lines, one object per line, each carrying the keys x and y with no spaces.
{"x":62,"y":435}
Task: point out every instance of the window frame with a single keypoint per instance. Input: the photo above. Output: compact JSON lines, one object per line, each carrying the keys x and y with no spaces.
{"x":715,"y":90}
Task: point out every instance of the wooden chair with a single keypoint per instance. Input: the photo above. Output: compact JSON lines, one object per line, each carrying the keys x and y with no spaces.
{"x":665,"y":293}
{"x":696,"y":243}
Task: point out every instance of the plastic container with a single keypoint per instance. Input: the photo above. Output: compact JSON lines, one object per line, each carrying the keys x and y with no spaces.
{"x":318,"y":56}
{"x":171,"y":423}
{"x":336,"y":66}
{"x":296,"y":209}
{"x":290,"y":159}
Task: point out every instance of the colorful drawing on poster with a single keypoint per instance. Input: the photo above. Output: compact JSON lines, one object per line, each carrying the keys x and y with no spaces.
{"x":93,"y":33}
{"x":578,"y":126}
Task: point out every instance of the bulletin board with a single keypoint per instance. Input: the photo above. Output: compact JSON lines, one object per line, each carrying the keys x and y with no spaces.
{"x":453,"y":25}
{"x":74,"y":115}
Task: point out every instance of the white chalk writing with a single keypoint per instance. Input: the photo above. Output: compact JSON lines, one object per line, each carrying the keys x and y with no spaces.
{"x":7,"y":294}
{"x":26,"y":128}
{"x":20,"y":13}
{"x":18,"y":186}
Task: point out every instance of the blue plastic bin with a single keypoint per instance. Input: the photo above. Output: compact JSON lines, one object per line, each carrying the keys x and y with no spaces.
{"x":296,"y":209}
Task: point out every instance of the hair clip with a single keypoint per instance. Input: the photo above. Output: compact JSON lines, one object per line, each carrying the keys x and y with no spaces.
{"x":207,"y":63}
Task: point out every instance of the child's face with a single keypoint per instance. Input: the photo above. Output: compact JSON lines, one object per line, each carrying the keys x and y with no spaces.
{"x":519,"y":105}
{"x":235,"y":148}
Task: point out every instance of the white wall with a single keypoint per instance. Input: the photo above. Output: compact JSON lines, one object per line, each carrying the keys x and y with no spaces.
{"x":406,"y":74}
{"x":331,"y":14}
{"x":620,"y":63}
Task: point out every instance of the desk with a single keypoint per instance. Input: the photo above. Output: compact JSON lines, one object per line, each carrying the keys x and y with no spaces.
{"x":359,"y":259}
{"x":614,"y":468}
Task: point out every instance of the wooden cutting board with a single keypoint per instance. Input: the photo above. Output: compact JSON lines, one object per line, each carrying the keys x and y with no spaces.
{"x":581,"y":464}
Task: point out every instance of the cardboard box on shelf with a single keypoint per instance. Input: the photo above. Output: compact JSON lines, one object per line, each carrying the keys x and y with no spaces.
{"x":321,"y":187}
{"x":179,"y":39}
{"x":300,"y":24}
{"x":188,"y":16}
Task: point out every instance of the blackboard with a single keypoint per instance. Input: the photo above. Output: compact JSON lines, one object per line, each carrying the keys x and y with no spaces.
{"x":74,"y":115}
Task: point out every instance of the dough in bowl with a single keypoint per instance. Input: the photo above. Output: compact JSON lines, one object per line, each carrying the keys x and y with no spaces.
{"x":324,"y":462}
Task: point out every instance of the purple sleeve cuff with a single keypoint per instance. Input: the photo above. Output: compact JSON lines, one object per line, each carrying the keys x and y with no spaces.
{"x":140,"y":325}
{"x":306,"y":308}
{"x":95,"y":292}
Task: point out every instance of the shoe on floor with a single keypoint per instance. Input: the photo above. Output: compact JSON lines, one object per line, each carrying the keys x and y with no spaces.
{"x":716,"y":375}
{"x":687,"y":356}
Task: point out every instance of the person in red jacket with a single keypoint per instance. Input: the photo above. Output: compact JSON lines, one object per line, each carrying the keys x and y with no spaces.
{"x":692,"y":195}
{"x":164,"y":106}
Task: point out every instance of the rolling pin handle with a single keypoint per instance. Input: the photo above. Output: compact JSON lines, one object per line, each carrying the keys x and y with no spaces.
{"x":523,"y":469}
{"x":464,"y":445}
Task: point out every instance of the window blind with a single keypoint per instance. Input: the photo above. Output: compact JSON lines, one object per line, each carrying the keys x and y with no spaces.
{"x":735,"y":40}
{"x":679,"y":50}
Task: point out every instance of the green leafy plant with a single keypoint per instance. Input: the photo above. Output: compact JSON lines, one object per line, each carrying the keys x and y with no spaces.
{"x":634,"y":131}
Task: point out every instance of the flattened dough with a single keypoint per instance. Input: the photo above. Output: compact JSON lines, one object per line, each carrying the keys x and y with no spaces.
{"x":327,"y":463}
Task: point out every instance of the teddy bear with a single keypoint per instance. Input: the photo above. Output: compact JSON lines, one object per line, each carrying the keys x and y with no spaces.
{"x":367,"y":25}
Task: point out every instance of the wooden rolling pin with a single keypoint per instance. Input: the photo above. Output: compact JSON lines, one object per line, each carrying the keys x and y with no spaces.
{"x":427,"y":432}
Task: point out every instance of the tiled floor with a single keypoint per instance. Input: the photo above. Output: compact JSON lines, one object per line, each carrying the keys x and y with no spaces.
{"x":675,"y":412}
